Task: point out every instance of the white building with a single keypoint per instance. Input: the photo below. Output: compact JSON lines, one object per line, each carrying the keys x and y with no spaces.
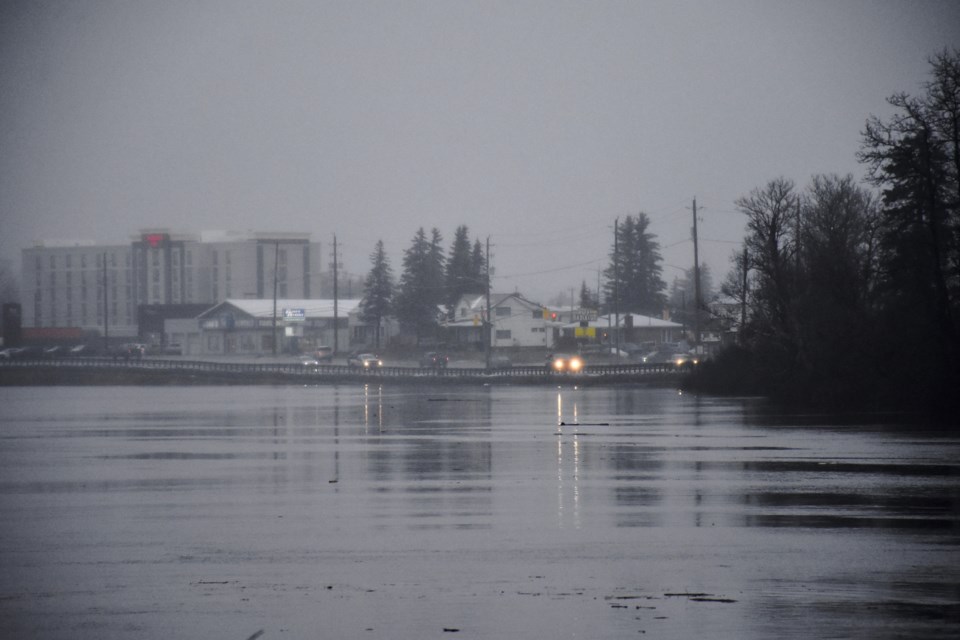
{"x":77,"y":285}
{"x":515,"y":322}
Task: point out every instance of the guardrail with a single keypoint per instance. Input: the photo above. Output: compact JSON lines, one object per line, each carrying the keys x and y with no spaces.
{"x":333,"y":372}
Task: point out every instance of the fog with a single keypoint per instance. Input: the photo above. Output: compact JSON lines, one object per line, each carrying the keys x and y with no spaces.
{"x":534,"y":123}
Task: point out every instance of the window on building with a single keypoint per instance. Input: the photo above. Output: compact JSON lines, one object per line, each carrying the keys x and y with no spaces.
{"x":83,"y":261}
{"x":503,"y":334}
{"x":53,"y":262}
{"x":68,"y":261}
{"x":503,"y":311}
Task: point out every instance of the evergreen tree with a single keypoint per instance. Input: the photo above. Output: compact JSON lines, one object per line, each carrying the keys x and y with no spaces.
{"x":478,"y":266}
{"x":421,"y":284}
{"x":461,"y":275}
{"x":378,"y":290}
{"x":633,"y":279}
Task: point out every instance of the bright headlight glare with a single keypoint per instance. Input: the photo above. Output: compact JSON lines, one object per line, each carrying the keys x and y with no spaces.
{"x":558,"y":365}
{"x":576,"y":364}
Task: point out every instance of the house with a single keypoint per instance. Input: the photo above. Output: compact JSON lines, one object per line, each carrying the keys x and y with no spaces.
{"x":515,"y":322}
{"x":247,"y":326}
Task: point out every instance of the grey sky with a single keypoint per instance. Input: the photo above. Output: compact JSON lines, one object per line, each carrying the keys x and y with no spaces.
{"x":536,"y":123}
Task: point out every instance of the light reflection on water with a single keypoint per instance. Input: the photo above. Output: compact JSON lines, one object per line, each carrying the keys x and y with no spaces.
{"x":456,"y":492}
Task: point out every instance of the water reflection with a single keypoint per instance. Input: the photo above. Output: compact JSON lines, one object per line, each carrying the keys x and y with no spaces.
{"x":635,"y":488}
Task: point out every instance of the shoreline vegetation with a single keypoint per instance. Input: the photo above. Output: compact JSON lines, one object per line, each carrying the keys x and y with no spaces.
{"x":850,"y":297}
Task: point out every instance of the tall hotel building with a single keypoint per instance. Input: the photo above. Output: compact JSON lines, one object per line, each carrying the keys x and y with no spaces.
{"x":73,"y":286}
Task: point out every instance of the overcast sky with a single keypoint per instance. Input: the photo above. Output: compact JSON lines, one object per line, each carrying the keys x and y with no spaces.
{"x":534,"y":123}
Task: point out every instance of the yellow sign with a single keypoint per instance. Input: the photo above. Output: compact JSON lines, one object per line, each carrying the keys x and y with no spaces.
{"x":585,"y":332}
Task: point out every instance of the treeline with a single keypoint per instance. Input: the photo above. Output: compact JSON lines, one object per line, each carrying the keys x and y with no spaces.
{"x":431,"y":279}
{"x":852,"y":295}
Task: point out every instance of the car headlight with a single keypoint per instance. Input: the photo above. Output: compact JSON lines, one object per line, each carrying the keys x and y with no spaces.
{"x":576,"y":364}
{"x":366,"y":363}
{"x":558,"y":364}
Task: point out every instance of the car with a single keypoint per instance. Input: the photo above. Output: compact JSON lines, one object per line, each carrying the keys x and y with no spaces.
{"x":9,"y":353}
{"x":501,"y":362}
{"x":434,"y":360}
{"x":55,"y":351}
{"x":323,"y":353}
{"x":565,"y":363}
{"x":686,"y":360}
{"x":364,"y":361}
{"x":128,"y":351}
{"x":309,"y":362}
{"x":80,"y":351}
{"x":173,"y":349}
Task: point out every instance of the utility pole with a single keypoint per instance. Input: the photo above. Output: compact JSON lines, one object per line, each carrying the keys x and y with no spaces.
{"x":696,"y":283}
{"x":276,"y":266}
{"x":487,"y":323}
{"x":106,"y":318}
{"x":616,"y":281}
{"x":336,"y":314}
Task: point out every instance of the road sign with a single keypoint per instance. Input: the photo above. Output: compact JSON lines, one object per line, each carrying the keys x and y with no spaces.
{"x":584,"y":315}
{"x":294,"y":315}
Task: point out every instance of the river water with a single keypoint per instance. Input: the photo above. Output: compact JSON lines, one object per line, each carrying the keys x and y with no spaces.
{"x":474,"y":512}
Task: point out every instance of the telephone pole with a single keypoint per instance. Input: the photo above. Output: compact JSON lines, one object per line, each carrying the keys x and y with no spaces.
{"x":106,"y":318}
{"x":616,"y":281}
{"x":276,"y":266}
{"x":487,"y":323}
{"x":696,"y":283}
{"x":336,"y":314}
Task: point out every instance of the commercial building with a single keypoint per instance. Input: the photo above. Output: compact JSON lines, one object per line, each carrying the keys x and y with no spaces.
{"x":98,"y":288}
{"x":250,"y":327}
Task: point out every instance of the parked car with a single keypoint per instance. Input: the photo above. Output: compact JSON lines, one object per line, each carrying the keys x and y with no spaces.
{"x":128,"y":351}
{"x":29,"y":352}
{"x":501,"y":362}
{"x":173,"y":349}
{"x":434,"y":360}
{"x":55,"y":351}
{"x":80,"y":351}
{"x":364,"y":360}
{"x":564,"y":363}
{"x":323,"y":353}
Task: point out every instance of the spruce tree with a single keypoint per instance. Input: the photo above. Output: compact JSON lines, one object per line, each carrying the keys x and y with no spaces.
{"x":378,"y":290}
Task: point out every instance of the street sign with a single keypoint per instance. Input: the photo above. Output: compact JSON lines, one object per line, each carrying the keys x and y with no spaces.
{"x":584,"y":315}
{"x":294,"y":315}
{"x":585,"y":332}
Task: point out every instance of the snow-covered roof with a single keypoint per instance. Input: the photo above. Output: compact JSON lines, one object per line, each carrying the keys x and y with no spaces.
{"x":263,"y":308}
{"x":639,"y":322}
